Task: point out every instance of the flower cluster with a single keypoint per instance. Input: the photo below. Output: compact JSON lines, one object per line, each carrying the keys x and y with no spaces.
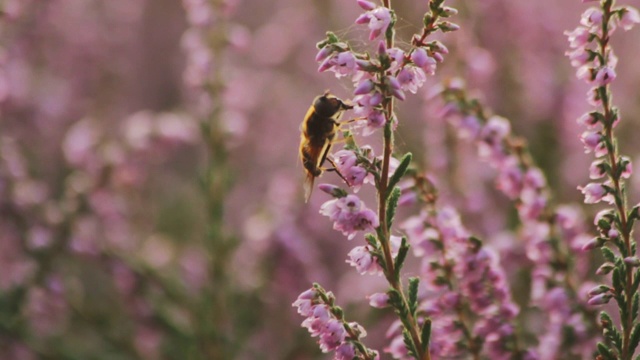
{"x":595,"y":61}
{"x":380,"y":78}
{"x":466,"y":293}
{"x":324,"y":320}
{"x":400,"y":70}
{"x":542,"y":224}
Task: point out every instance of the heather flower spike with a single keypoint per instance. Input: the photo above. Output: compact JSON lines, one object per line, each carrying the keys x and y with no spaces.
{"x":325,"y":321}
{"x":380,"y":77}
{"x":520,"y":180}
{"x":592,"y":54}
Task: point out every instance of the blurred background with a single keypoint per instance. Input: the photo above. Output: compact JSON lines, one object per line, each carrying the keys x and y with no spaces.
{"x":151,"y":202}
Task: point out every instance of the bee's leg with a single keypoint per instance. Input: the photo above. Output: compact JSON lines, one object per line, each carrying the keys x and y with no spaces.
{"x":335,"y":168}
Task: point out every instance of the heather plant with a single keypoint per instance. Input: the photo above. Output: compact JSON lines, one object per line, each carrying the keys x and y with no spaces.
{"x":151,"y":206}
{"x":460,"y":305}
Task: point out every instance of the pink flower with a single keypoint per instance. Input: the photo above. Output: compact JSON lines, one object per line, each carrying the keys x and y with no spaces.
{"x":411,"y":78}
{"x":343,"y":64}
{"x":346,"y":351}
{"x":424,"y":61}
{"x":468,"y":127}
{"x":305,"y":301}
{"x":589,"y":120}
{"x":379,"y":300}
{"x":579,"y":37}
{"x":605,"y":76}
{"x":346,"y":163}
{"x":365,"y":263}
{"x":378,"y":20}
{"x":629,"y":18}
{"x":591,"y":140}
{"x":597,"y":169}
{"x":491,"y":139}
{"x":579,"y":57}
{"x":592,"y":18}
{"x":510,"y":178}
{"x":349,"y":215}
{"x":320,"y":316}
{"x":593,"y":192}
{"x":332,"y":335}
{"x":375,"y":120}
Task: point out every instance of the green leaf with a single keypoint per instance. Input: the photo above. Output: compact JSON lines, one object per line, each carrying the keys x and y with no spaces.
{"x":608,"y":254}
{"x":634,"y":213}
{"x":425,"y":335}
{"x":605,"y":320}
{"x":617,"y":278}
{"x":395,"y":300}
{"x":635,"y":338}
{"x":401,"y":257}
{"x":408,"y":342}
{"x":392,"y":205}
{"x":371,"y":240}
{"x":414,"y":282}
{"x":400,"y":171}
{"x":605,"y":351}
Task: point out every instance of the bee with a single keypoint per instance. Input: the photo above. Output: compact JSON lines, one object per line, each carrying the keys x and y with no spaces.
{"x":318,"y":130}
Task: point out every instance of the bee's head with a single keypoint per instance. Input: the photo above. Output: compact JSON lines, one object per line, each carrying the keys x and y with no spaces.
{"x":327,"y":105}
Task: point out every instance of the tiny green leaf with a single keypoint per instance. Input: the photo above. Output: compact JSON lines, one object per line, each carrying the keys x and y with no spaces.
{"x":408,"y":342}
{"x":401,"y":257}
{"x":425,"y":334}
{"x":414,"y":282}
{"x":400,"y":171}
{"x":605,"y":351}
{"x":608,"y":254}
{"x":635,"y":338}
{"x":392,"y":205}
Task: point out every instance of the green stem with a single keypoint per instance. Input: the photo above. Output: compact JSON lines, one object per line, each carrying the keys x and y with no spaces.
{"x":383,"y":190}
{"x":621,"y":206}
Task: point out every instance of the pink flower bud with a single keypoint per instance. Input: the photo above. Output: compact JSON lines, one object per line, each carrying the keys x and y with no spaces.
{"x":592,"y":244}
{"x":419,"y":57}
{"x":599,"y":299}
{"x":324,"y":53}
{"x":605,"y":268}
{"x":366,"y":5}
{"x":600,"y":289}
{"x":379,"y":300}
{"x":632,"y":261}
{"x":364,"y":87}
